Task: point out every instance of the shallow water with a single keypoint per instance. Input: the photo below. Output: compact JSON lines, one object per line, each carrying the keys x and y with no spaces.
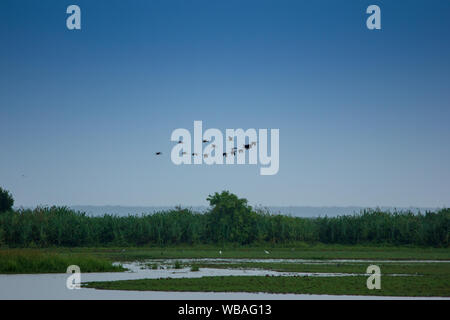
{"x":136,"y":268}
{"x":53,"y":286}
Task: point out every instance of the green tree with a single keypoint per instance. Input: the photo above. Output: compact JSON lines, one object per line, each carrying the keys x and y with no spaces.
{"x":231,"y":219}
{"x":6,"y":200}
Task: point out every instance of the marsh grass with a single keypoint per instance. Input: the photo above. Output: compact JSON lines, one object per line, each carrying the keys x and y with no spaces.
{"x":425,"y":286}
{"x":35,"y":261}
{"x":60,"y":226}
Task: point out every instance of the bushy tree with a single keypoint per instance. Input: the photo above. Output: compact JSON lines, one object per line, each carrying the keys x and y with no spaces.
{"x":231,"y":219}
{"x":6,"y":200}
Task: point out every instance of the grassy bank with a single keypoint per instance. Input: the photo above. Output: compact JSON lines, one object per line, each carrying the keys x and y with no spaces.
{"x":35,"y":261}
{"x":390,"y":286}
{"x":294,"y":251}
{"x":97,"y":259}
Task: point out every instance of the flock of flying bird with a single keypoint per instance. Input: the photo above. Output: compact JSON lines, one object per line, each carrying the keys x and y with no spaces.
{"x":233,"y":151}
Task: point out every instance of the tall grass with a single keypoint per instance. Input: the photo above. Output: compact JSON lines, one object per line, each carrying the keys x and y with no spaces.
{"x":34,"y":261}
{"x":59,"y":226}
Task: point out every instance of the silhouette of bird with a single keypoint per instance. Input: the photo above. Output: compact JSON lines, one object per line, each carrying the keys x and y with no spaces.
{"x":194,"y":154}
{"x":230,"y":138}
{"x":224,"y":154}
{"x":205,"y":141}
{"x":247,"y":146}
{"x":179,"y":141}
{"x":158,"y":153}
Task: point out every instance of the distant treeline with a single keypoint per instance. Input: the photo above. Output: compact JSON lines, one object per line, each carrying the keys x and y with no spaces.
{"x":230,"y":221}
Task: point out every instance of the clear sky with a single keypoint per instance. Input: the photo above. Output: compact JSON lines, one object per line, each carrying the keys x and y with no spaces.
{"x":363,"y":115}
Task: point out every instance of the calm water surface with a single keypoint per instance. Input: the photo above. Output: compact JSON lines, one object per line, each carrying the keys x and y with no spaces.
{"x":53,"y":286}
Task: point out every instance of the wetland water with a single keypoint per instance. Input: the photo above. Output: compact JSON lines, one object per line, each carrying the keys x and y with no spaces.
{"x":53,"y":286}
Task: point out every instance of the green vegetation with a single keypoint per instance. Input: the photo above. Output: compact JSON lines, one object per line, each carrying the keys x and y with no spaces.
{"x":230,"y":221}
{"x":195,"y":268}
{"x":35,"y":261}
{"x":6,"y":200}
{"x":177,"y":265}
{"x":277,"y":251}
{"x":350,"y":285}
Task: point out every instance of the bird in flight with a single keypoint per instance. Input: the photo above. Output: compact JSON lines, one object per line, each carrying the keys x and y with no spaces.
{"x":205,"y":141}
{"x":158,"y":153}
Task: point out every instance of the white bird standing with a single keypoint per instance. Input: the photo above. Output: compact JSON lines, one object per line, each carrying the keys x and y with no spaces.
{"x":220,"y":252}
{"x":267,"y":252}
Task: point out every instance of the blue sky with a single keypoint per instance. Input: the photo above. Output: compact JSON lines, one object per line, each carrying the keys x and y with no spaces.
{"x":363,"y":115}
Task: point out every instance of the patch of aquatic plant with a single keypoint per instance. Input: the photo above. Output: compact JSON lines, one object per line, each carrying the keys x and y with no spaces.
{"x":195,"y":267}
